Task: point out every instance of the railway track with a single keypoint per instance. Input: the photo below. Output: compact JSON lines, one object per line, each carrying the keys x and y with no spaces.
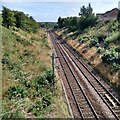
{"x":84,"y":105}
{"x":112,"y":102}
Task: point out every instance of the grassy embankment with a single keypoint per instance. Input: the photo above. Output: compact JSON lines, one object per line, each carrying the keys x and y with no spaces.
{"x":26,"y":77}
{"x":90,"y":46}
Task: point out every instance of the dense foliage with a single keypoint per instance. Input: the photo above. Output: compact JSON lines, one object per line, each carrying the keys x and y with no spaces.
{"x":48,"y":24}
{"x":86,"y":19}
{"x":118,"y":18}
{"x":27,"y":79}
{"x":110,"y":56}
{"x":18,"y":19}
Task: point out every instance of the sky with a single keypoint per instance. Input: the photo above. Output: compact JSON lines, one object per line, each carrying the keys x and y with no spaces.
{"x":50,"y":10}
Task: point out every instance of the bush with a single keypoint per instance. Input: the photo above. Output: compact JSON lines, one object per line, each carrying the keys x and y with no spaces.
{"x":101,"y":35}
{"x":38,"y":108}
{"x":110,"y":56}
{"x":82,"y":39}
{"x":6,"y":59}
{"x":99,"y":50}
{"x":117,"y":49}
{"x":41,"y":80}
{"x":93,"y":42}
{"x":113,"y":26}
{"x":13,"y":115}
{"x":22,"y":41}
{"x":72,"y":28}
{"x":115,"y":67}
{"x":115,"y":38}
{"x":16,"y":92}
{"x":84,"y":22}
{"x":46,"y":100}
{"x":45,"y":79}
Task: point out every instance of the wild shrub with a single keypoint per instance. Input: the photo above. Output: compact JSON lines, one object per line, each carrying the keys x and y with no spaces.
{"x":6,"y":59}
{"x":46,"y":100}
{"x":113,"y":26}
{"x":115,"y":67}
{"x":82,"y":40}
{"x":16,"y":92}
{"x":13,"y":115}
{"x":45,"y":79}
{"x":110,"y":56}
{"x":41,"y":105}
{"x":101,"y":35}
{"x":22,"y":41}
{"x":117,"y":49}
{"x":99,"y":50}
{"x":114,"y":37}
{"x":93,"y":42}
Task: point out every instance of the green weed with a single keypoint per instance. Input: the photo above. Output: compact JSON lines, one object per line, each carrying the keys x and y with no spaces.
{"x":114,"y":37}
{"x":22,"y":41}
{"x":16,"y":92}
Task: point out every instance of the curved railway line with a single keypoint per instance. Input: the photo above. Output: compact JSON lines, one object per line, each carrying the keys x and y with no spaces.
{"x":87,"y":95}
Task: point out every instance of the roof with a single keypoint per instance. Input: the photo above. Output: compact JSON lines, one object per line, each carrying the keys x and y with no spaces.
{"x":108,"y":11}
{"x":111,"y":10}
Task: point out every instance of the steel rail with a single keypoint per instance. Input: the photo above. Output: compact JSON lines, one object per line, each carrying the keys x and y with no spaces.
{"x":93,"y":110}
{"x":92,"y":83}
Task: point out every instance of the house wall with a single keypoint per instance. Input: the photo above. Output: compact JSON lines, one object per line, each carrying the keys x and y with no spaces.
{"x":112,"y":15}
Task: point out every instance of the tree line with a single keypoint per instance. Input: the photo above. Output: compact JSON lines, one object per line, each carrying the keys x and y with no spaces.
{"x":87,"y":19}
{"x":18,"y":19}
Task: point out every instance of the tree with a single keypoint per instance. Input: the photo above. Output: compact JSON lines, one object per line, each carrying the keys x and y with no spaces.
{"x":32,"y":18}
{"x":71,"y":23}
{"x":86,"y":11}
{"x":60,"y":22}
{"x":89,"y":10}
{"x":8,"y":17}
{"x":87,"y":18}
{"x":19,"y":19}
{"x":82,"y":11}
{"x":19,"y":16}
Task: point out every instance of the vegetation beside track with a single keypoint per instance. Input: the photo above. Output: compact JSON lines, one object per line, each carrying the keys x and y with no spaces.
{"x":27,"y":90}
{"x":98,"y":44}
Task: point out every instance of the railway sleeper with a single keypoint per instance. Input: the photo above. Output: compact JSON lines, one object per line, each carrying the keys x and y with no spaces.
{"x":100,"y":89}
{"x":76,"y":89}
{"x":102,"y":92}
{"x":96,"y":84}
{"x":117,"y":111}
{"x":110,"y":100}
{"x":85,"y":102}
{"x":82,"y":100}
{"x":88,"y":115}
{"x":84,"y":106}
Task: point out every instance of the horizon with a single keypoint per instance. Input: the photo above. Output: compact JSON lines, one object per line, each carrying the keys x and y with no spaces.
{"x":50,"y":11}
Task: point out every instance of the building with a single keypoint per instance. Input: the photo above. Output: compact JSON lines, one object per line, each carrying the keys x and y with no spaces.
{"x":109,"y":15}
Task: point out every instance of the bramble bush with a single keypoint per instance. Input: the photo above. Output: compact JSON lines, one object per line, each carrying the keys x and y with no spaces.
{"x":110,"y":56}
{"x":114,"y":37}
{"x":16,"y":92}
{"x":93,"y":42}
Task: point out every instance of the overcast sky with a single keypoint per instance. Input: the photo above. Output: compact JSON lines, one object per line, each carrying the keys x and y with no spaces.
{"x":50,"y":10}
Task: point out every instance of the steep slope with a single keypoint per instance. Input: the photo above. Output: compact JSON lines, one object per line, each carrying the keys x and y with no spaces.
{"x":26,"y":76}
{"x":99,"y":45}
